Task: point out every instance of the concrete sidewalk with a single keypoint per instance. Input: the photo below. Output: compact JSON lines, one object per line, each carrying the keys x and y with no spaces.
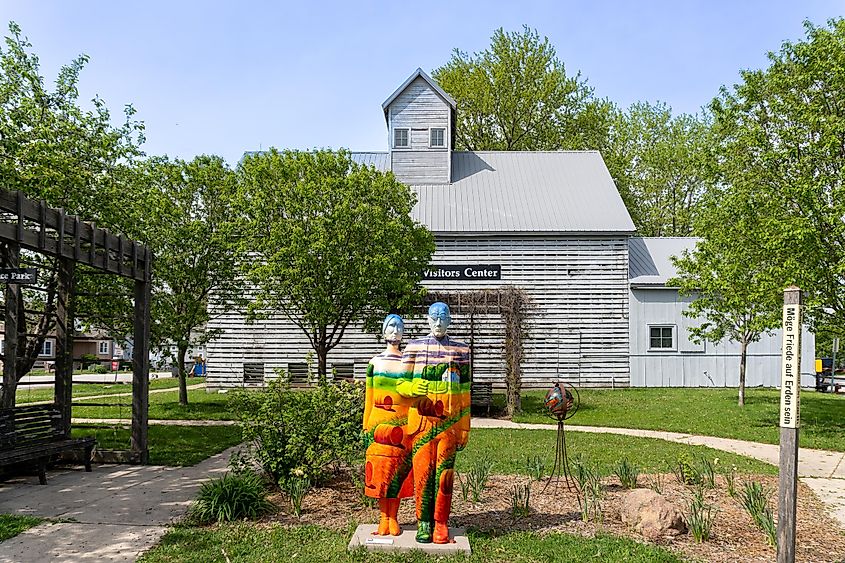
{"x":114,"y":513}
{"x":821,"y":470}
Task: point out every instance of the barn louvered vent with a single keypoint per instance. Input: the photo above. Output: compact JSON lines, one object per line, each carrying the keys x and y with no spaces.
{"x":253,"y":374}
{"x":344,"y":371}
{"x":298,"y":374}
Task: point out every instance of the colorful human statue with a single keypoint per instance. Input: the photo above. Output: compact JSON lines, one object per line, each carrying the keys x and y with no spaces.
{"x":388,"y":454}
{"x":438,"y":420}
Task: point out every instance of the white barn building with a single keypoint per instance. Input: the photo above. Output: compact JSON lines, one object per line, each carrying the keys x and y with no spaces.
{"x":551,"y":223}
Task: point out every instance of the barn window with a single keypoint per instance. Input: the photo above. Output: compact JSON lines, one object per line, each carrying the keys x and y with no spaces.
{"x":401,"y":138}
{"x":661,"y":337}
{"x":47,"y":348}
{"x":438,"y":137}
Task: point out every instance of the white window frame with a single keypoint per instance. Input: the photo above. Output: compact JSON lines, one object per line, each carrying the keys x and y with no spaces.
{"x":100,"y":345}
{"x":407,"y":131}
{"x":46,"y":349}
{"x":673,"y":347}
{"x":431,"y":138}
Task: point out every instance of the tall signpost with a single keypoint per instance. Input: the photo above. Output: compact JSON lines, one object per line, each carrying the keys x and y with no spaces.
{"x":790,"y":391}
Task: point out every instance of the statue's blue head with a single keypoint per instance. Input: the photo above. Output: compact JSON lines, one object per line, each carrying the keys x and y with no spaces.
{"x":439,"y":319}
{"x":392,"y":328}
{"x":440,"y":310}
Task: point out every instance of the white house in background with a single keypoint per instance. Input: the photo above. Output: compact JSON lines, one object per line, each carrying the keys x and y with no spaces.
{"x":662,"y":353}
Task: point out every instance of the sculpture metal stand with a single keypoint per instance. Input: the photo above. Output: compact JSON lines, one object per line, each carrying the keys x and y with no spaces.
{"x":562,"y":402}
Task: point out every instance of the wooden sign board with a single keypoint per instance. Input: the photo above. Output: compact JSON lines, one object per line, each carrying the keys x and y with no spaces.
{"x":24,"y":276}
{"x":790,"y":381}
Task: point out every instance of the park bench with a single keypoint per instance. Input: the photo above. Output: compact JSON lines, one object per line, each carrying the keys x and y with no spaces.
{"x":481,"y":394}
{"x":34,"y":434}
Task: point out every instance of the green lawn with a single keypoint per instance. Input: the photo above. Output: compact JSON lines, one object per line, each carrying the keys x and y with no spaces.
{"x":708,"y":412}
{"x":26,"y":394}
{"x":169,"y":445}
{"x":509,"y":450}
{"x":246,"y":542}
{"x":11,"y":525}
{"x":165,"y":406}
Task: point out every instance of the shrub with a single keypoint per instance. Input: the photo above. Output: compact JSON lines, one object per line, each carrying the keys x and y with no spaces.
{"x":685,"y":471}
{"x":628,"y":473}
{"x":535,"y":467}
{"x":730,"y":481}
{"x":521,"y":499}
{"x":656,"y":483}
{"x":99,"y":368}
{"x":755,"y":498}
{"x":706,"y":473}
{"x":231,"y":497}
{"x":477,"y":476}
{"x":312,"y":432}
{"x":297,"y":487}
{"x":700,"y":517}
{"x":88,"y":359}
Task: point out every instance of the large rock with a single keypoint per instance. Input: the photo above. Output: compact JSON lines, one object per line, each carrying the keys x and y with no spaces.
{"x":651,"y":514}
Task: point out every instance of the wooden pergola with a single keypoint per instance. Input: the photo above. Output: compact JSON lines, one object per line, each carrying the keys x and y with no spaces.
{"x":33,"y":225}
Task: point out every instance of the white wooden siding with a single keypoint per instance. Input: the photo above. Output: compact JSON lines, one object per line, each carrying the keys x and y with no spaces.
{"x":577,"y":333}
{"x":708,"y":365}
{"x":421,"y":167}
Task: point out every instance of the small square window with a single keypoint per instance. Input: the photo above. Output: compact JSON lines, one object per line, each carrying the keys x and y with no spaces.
{"x":401,"y":138}
{"x":104,"y":347}
{"x":47,"y":348}
{"x":661,"y":338}
{"x":438,"y":137}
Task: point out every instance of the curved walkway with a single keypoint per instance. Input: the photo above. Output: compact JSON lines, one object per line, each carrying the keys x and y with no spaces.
{"x":821,"y":470}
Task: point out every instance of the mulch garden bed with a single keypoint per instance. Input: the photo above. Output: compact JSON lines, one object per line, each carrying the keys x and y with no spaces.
{"x":734,"y":536}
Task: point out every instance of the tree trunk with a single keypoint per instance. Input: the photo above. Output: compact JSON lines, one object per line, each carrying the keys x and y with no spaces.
{"x":322,"y":363}
{"x":183,"y":383}
{"x":742,"y":360}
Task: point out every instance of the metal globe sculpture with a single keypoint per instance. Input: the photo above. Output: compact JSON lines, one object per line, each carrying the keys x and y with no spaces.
{"x":562,"y":401}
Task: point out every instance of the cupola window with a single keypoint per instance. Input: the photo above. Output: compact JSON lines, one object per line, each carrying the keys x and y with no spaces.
{"x":438,"y":137}
{"x":401,"y":138}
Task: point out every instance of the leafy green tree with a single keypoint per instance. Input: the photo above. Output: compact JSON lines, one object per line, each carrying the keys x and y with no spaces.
{"x":195,"y":272}
{"x":328,"y":242}
{"x":660,"y":166}
{"x":52,"y":149}
{"x":781,"y":137}
{"x":516,"y":95}
{"x":736,"y":283}
{"x":183,"y":211}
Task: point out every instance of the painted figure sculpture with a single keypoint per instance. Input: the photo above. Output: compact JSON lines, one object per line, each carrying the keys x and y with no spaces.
{"x":388,"y":453}
{"x":438,"y":419}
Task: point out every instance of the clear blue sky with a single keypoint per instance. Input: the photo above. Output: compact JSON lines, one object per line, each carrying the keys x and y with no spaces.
{"x":226,"y":77}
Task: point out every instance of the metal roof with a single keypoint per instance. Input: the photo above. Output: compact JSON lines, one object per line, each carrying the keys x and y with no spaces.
{"x":539,"y":192}
{"x":380,"y":160}
{"x":649,"y":259}
{"x":434,"y":85}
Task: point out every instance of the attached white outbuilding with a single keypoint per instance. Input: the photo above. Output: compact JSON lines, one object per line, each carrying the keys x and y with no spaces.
{"x":662,"y":352}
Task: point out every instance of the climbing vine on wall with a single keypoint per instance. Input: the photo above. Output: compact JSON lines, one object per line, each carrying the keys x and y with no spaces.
{"x":512,"y":304}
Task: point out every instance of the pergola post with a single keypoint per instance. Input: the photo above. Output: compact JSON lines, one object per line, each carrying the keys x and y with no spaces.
{"x":64,"y":341}
{"x":141,"y":365}
{"x":10,"y":331}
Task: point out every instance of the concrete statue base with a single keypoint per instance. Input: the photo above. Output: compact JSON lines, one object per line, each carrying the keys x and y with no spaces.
{"x":406,"y":541}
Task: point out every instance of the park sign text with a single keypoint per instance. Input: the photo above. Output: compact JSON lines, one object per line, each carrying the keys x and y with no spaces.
{"x":475,"y":272}
{"x":26,"y":276}
{"x":790,"y":382}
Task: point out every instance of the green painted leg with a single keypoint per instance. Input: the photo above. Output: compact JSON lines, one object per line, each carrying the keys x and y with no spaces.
{"x":423,"y":532}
